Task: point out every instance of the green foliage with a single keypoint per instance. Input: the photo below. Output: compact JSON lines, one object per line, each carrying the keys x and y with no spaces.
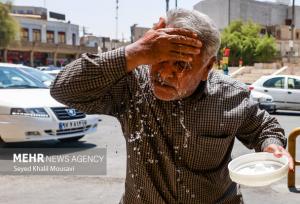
{"x":9,"y":28}
{"x":266,"y":49}
{"x":245,"y":42}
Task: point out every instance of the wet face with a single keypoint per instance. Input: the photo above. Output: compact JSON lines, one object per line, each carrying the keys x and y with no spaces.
{"x":174,"y":80}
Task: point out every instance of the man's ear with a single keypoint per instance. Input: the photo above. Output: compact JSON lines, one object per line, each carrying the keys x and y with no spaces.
{"x":211,"y":62}
{"x":209,"y":65}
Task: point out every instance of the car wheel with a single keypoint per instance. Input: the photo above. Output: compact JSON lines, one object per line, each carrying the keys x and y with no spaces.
{"x":71,"y":139}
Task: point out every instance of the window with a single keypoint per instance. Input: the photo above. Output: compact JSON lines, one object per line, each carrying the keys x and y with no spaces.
{"x":297,"y":35}
{"x":62,"y":37}
{"x":24,"y":34}
{"x":36,"y":35}
{"x":50,"y":36}
{"x":73,"y":39}
{"x":277,"y":82}
{"x":293,"y":83}
{"x":278,"y":34}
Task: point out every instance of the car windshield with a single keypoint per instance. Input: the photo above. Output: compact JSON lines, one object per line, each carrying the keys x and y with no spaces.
{"x":13,"y":78}
{"x":41,"y":76}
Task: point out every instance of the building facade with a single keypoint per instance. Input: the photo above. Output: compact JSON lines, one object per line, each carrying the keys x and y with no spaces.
{"x":264,"y":13}
{"x":137,"y":32}
{"x":41,"y":41}
{"x":103,"y":44}
{"x":274,"y":17}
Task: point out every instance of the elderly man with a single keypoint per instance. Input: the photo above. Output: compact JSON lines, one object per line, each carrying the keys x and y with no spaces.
{"x":178,"y":116}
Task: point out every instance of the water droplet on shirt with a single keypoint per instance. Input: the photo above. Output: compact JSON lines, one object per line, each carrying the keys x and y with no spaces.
{"x":187,"y":133}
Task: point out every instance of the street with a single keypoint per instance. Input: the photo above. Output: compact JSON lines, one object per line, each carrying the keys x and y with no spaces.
{"x":108,"y":189}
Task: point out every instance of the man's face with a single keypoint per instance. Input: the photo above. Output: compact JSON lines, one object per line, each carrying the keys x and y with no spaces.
{"x":174,"y":80}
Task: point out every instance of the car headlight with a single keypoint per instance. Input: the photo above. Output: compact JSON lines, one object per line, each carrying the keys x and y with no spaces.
{"x":31,"y":112}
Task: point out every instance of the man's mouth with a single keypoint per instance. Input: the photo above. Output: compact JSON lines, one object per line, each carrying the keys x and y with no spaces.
{"x":164,"y":83}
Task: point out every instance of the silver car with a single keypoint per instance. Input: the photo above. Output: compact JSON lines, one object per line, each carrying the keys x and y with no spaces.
{"x":285,"y":90}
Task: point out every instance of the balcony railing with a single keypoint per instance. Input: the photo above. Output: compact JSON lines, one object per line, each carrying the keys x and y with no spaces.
{"x":50,"y":47}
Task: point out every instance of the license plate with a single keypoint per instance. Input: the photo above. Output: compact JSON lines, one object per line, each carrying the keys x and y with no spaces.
{"x":72,"y":124}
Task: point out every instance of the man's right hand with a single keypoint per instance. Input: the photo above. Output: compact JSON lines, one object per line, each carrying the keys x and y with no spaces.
{"x":162,"y":44}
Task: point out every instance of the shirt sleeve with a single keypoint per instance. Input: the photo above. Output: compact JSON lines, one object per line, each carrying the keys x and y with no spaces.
{"x":94,"y":83}
{"x":259,"y":129}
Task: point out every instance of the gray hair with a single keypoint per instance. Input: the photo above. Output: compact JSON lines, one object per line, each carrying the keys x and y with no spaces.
{"x":199,"y":23}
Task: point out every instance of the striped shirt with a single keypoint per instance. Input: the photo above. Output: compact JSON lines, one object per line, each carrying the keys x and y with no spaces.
{"x":177,"y":151}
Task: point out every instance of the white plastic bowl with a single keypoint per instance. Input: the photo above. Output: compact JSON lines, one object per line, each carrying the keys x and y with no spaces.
{"x":258,"y":169}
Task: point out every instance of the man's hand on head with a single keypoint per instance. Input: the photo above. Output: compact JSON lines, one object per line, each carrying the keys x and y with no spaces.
{"x":162,"y":43}
{"x":279,"y":151}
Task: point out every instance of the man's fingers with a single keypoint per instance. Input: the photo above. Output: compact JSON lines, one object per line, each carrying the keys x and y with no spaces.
{"x":185,"y":49}
{"x":278,"y":151}
{"x":290,"y":158}
{"x":180,"y":31}
{"x":161,"y":24}
{"x":183,"y":40}
{"x":176,"y":56}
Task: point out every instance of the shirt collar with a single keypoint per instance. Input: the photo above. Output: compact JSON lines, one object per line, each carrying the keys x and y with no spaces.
{"x":200,"y":93}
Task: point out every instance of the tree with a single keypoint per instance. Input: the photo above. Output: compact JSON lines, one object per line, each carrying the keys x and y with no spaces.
{"x":266,"y":49}
{"x":245,"y":42}
{"x":9,"y":28}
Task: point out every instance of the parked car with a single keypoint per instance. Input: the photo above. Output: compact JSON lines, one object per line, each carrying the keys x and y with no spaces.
{"x":49,"y":68}
{"x":265,"y":101}
{"x":285,"y":90}
{"x":40,"y":75}
{"x":29,"y":113}
{"x":53,"y":73}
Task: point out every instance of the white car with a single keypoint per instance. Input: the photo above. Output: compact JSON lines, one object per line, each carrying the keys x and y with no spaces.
{"x":29,"y":113}
{"x":265,"y":101}
{"x":38,"y":74}
{"x":285,"y":90}
{"x":53,"y":73}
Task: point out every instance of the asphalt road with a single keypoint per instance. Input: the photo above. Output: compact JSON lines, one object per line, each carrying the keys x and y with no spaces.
{"x":109,"y":188}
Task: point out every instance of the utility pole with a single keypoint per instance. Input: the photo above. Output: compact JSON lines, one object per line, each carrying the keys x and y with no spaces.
{"x":167,"y":5}
{"x":229,"y":8}
{"x":176,"y":4}
{"x":292,"y":30}
{"x":117,"y":18}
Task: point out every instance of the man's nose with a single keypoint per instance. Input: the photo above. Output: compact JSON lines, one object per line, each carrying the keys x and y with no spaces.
{"x":167,"y":71}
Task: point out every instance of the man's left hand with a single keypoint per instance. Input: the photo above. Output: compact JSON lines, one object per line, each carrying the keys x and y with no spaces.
{"x":278,"y":151}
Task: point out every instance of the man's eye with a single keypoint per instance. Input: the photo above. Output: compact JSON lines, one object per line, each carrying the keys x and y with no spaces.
{"x":182,"y":65}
